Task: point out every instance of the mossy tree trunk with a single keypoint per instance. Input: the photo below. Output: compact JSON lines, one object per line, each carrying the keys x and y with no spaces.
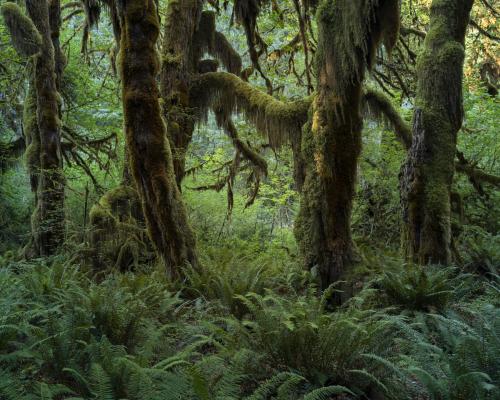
{"x":177,"y":64}
{"x":427,"y":175}
{"x":48,"y":217}
{"x":149,"y":151}
{"x":349,"y":35}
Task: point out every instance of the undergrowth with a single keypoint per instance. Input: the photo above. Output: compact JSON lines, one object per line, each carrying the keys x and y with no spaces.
{"x":245,"y":329}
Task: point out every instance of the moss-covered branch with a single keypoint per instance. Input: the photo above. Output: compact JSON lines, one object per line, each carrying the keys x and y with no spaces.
{"x":380,"y":107}
{"x":226,"y":123}
{"x":280,"y":121}
{"x":25,"y":37}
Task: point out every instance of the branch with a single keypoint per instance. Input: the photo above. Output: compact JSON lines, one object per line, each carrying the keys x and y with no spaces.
{"x":484,"y":32}
{"x":380,"y":106}
{"x":279,"y":121}
{"x":246,"y":151}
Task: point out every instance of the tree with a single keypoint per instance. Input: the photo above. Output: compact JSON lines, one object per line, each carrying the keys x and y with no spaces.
{"x":349,"y":35}
{"x":38,"y":37}
{"x":428,"y":171}
{"x":150,"y":156}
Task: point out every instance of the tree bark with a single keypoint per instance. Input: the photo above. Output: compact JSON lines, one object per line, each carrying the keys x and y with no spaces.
{"x":349,"y":34}
{"x":177,"y":64}
{"x":48,"y":217}
{"x":149,"y":151}
{"x":427,"y":174}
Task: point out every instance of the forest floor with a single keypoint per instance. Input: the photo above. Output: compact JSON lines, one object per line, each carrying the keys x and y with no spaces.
{"x":247,"y":328}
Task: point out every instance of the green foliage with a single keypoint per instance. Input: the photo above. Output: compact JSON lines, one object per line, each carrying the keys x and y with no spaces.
{"x":327,"y":348}
{"x":419,"y":288}
{"x":64,"y":332}
{"x":456,"y":356}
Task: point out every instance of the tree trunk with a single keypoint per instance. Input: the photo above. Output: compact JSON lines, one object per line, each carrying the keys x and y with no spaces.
{"x":427,"y":174}
{"x":331,"y":147}
{"x":151,"y":161}
{"x":48,"y":217}
{"x":177,"y":64}
{"x":349,"y":34}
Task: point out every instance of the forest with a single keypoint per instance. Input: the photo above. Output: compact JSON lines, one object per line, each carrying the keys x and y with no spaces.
{"x":249,"y":200}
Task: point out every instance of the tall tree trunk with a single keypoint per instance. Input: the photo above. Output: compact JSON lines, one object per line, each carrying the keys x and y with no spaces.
{"x":148,"y":148}
{"x":427,"y":174}
{"x":349,"y":34}
{"x":48,"y":217}
{"x":181,"y":23}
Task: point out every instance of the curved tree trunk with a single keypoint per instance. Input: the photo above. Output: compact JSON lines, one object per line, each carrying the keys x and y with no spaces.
{"x":350,"y":32}
{"x":151,"y":161}
{"x":48,"y":217}
{"x":427,"y":175}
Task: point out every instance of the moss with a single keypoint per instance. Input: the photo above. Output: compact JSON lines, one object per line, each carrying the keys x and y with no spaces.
{"x":118,"y":234}
{"x":42,"y":129}
{"x":350,"y":32}
{"x":181,"y":52}
{"x":151,"y":161}
{"x":279,"y":121}
{"x":25,"y":37}
{"x":205,"y":66}
{"x":427,"y":174}
{"x":32,"y":137}
{"x":379,"y":106}
{"x":226,"y":54}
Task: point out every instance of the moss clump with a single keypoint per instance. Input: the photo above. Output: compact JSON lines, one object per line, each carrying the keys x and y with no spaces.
{"x":24,"y":35}
{"x":118,"y":233}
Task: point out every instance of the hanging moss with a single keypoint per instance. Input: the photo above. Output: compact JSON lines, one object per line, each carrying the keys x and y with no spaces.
{"x":224,"y":121}
{"x":24,"y":36}
{"x":352,"y":31}
{"x":279,"y":121}
{"x":246,"y":12}
{"x":349,"y":33}
{"x":226,"y":54}
{"x":379,"y":107}
{"x":204,"y":36}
